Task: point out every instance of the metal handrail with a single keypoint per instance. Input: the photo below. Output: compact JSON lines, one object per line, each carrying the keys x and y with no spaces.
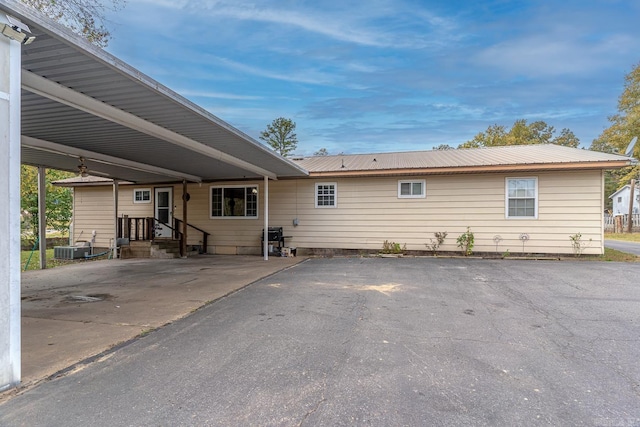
{"x":205,"y":235}
{"x":145,"y":229}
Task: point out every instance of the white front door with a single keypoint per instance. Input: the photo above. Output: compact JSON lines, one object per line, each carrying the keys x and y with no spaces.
{"x":164,"y":212}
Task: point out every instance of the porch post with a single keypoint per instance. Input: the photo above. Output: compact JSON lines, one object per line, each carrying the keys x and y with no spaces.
{"x":185,"y":196}
{"x":42,"y":215}
{"x":265,"y":243}
{"x":115,"y":219}
{"x":10,"y":365}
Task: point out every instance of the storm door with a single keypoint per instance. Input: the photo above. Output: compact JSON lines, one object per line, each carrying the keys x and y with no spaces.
{"x":164,"y":212}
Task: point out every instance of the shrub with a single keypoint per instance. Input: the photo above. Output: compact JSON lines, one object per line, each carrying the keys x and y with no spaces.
{"x":393,"y":247}
{"x":435,"y":244}
{"x":465,"y":242}
{"x":577,"y":244}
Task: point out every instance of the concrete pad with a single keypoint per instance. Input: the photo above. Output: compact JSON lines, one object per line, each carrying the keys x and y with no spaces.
{"x":73,"y":312}
{"x":50,"y":345}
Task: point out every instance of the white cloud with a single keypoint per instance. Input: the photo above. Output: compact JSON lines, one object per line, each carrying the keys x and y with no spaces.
{"x":559,"y":53}
{"x":325,"y":25}
{"x":309,"y":76}
{"x":358,"y":23}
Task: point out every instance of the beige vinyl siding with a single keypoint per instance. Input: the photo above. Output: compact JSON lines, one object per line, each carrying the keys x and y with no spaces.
{"x":126,"y":206}
{"x":197,"y":210}
{"x":369,"y":212}
{"x":228,"y":235}
{"x":93,"y":210}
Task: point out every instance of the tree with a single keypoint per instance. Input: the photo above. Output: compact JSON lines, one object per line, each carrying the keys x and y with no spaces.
{"x":625,"y":124}
{"x":522,"y":133}
{"x":321,"y":152}
{"x":495,"y":135}
{"x":83,"y":17}
{"x":567,"y":139}
{"x":280,"y":136}
{"x":443,"y":147}
{"x":59,"y":200}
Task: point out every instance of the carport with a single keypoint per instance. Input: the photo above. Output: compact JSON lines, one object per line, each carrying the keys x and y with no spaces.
{"x":65,"y":104}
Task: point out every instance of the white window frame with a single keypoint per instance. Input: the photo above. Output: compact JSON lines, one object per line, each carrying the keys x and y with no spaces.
{"x":257,"y":216}
{"x":335,"y":194}
{"x":141,"y":190}
{"x":506,"y":197}
{"x":422,"y":182}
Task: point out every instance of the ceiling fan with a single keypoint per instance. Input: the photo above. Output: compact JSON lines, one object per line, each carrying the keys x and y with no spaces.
{"x":82,"y":168}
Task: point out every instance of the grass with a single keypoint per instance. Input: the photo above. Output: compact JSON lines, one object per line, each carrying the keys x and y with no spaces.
{"x":34,"y":263}
{"x":617,"y":256}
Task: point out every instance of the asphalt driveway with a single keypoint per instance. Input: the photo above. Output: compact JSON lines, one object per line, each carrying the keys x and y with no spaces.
{"x":628,"y":247}
{"x":417,"y":341}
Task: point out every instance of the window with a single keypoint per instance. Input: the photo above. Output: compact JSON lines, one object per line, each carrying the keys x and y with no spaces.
{"x":234,"y":202}
{"x":415,"y":189}
{"x":619,"y":199}
{"x":522,"y":198}
{"x":326,"y":195}
{"x":142,"y":195}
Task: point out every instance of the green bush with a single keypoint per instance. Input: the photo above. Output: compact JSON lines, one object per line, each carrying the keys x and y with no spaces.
{"x":465,"y":242}
{"x":433,"y":245}
{"x":393,"y":247}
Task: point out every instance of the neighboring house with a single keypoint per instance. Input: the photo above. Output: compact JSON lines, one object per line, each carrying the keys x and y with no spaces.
{"x":518,"y":198}
{"x":621,"y":200}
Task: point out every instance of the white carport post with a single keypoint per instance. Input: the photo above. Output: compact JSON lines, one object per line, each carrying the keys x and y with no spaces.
{"x":10,"y":368}
{"x":265,"y":243}
{"x":115,"y":219}
{"x":42,"y":215}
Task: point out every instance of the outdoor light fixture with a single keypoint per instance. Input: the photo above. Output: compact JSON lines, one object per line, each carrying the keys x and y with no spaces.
{"x":17,"y":30}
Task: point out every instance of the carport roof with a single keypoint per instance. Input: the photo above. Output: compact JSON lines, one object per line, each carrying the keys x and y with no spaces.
{"x":79,"y":101}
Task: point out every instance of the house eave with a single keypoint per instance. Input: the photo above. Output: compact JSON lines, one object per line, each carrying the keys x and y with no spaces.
{"x":475,"y":169}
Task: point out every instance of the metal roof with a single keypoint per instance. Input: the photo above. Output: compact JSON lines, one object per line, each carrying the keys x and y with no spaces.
{"x":80,"y":101}
{"x":508,"y":158}
{"x":86,"y":181}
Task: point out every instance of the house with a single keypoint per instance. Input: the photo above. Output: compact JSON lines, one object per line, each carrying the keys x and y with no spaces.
{"x":527,"y":199}
{"x":621,"y":200}
{"x":68,"y":105}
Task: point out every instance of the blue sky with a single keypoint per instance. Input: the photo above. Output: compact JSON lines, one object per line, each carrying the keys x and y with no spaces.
{"x":379,"y":76}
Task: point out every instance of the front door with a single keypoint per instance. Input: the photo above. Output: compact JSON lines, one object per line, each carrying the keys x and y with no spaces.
{"x":164,"y":212}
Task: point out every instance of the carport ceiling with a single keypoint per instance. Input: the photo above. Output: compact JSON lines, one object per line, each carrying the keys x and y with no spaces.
{"x":81,"y":102}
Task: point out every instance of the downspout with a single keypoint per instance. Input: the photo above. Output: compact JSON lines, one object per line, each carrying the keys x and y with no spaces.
{"x":265,"y":243}
{"x":42,"y":215}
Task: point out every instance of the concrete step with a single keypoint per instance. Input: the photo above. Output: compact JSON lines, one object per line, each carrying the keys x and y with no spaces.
{"x":140,"y":244}
{"x":162,"y":249}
